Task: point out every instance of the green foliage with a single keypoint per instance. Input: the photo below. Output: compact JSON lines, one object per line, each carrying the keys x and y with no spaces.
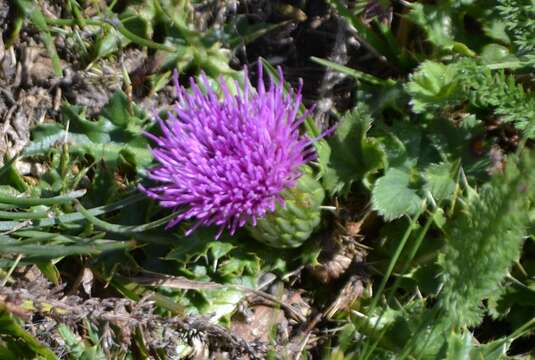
{"x":435,"y":86}
{"x":500,"y":92}
{"x":519,"y":21}
{"x":414,"y":172}
{"x":439,"y":180}
{"x":424,"y":149}
{"x":382,"y":42}
{"x":77,"y":348}
{"x":432,"y":86}
{"x":16,"y":343}
{"x":115,"y":136}
{"x":31,"y":10}
{"x":437,"y":22}
{"x":351,"y":155}
{"x":483,"y":242}
{"x":392,"y":197}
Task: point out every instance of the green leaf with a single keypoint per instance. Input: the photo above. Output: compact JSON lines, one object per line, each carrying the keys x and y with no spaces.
{"x":109,"y":41}
{"x":356,"y":74}
{"x":9,"y":175}
{"x":432,"y":85}
{"x":218,"y":249}
{"x":50,"y":271}
{"x":459,"y":346}
{"x":382,"y":41}
{"x":436,"y":21}
{"x":117,"y":134}
{"x":392,"y":197}
{"x":10,"y":327}
{"x":239,"y":264}
{"x":494,"y":350}
{"x":495,"y":53}
{"x":77,"y":216}
{"x":519,"y":21}
{"x":50,"y":251}
{"x":116,"y":110}
{"x":439,"y":180}
{"x":77,"y":348}
{"x":496,"y":30}
{"x":20,"y":201}
{"x":136,"y":24}
{"x":192,"y":247}
{"x":351,"y":154}
{"x":32,"y":10}
{"x":484,"y":241}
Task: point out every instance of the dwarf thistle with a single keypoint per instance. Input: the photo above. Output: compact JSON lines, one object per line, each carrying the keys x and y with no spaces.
{"x":237,"y":160}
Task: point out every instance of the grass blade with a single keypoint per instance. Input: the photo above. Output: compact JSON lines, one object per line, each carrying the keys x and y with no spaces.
{"x":32,"y":201}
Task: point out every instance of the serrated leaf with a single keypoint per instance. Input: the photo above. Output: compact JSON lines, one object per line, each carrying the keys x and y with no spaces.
{"x":439,"y":180}
{"x":431,"y":85}
{"x":193,"y":246}
{"x":351,"y":154}
{"x":459,"y":346}
{"x":236,"y":266}
{"x":392,"y":197}
{"x":484,"y":241}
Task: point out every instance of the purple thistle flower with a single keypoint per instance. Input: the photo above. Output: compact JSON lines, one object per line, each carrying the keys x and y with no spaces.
{"x":226,"y":161}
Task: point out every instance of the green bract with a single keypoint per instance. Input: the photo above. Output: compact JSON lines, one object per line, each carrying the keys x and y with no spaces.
{"x":289,"y":226}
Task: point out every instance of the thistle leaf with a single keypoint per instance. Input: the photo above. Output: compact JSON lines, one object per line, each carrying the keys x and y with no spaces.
{"x":483,"y":243}
{"x":352,"y":154}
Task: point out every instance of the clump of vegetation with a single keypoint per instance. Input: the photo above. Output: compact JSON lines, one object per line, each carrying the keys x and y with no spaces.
{"x":375,"y":202}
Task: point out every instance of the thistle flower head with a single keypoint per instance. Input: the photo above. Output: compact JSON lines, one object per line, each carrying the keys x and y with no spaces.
{"x":226,"y":160}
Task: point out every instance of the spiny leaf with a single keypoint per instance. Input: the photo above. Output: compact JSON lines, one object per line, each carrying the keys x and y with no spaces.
{"x":352,"y":154}
{"x":483,"y":243}
{"x":117,"y":133}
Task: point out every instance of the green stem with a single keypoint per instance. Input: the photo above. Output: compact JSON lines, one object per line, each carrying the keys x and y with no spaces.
{"x":142,"y":41}
{"x":410,"y":257}
{"x":386,"y":277}
{"x":393,"y":262}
